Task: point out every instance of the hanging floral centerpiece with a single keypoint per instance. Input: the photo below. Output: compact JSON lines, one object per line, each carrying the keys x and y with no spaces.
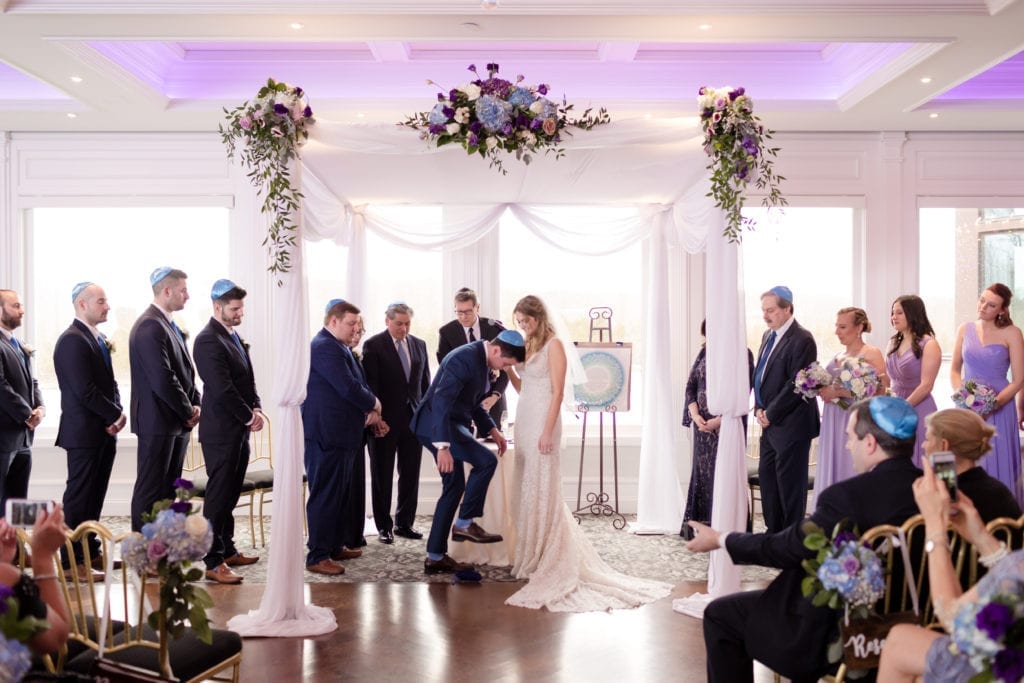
{"x":736,"y":142}
{"x":271,"y":129}
{"x":492,"y":115}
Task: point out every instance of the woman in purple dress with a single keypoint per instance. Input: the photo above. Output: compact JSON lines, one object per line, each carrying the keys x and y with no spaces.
{"x":913,"y":361}
{"x":834,"y":460}
{"x":985,"y":350}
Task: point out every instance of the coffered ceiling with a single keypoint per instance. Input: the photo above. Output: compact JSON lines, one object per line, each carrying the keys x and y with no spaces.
{"x":98,"y":65}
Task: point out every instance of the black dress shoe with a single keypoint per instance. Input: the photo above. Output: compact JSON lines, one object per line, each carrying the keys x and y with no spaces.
{"x":386,"y":536}
{"x":474,"y":533}
{"x":408,"y":532}
{"x":446,"y":565}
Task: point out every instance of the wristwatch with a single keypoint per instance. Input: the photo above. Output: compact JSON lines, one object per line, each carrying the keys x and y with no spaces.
{"x":931,"y":545}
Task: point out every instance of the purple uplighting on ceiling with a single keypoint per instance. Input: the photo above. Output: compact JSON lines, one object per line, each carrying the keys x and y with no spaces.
{"x":14,"y":85}
{"x":1004,"y":81}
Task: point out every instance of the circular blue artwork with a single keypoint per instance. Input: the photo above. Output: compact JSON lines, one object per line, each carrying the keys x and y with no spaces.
{"x":606,"y":378}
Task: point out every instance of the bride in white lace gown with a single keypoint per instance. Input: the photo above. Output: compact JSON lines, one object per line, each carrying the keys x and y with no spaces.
{"x":565,"y":572}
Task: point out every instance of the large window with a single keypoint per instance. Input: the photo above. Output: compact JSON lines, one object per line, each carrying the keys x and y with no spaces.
{"x":117,"y":248}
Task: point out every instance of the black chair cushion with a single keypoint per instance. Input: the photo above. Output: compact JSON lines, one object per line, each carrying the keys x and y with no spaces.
{"x":262,"y":479}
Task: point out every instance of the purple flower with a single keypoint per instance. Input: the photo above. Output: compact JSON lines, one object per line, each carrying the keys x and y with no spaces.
{"x":492,"y":68}
{"x":298,"y":91}
{"x":436,"y":129}
{"x":245,"y":122}
{"x":535,"y":124}
{"x":994,"y":618}
{"x":506,"y":129}
{"x":448,"y":112}
{"x":472,"y":67}
{"x":851,"y":564}
{"x":702,"y":90}
{"x":542,"y":89}
{"x":453,"y":95}
{"x":280,"y":109}
{"x":475,"y":127}
{"x":156,"y":550}
{"x":1009,"y":665}
{"x":844,"y":536}
{"x":182,"y":506}
{"x":307,"y":112}
{"x":733,"y":94}
{"x":182,"y":483}
{"x":5,"y":592}
{"x":440,"y":97}
{"x":473,"y":140}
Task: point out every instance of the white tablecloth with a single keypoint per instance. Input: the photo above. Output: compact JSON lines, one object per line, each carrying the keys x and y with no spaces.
{"x":497,"y":518}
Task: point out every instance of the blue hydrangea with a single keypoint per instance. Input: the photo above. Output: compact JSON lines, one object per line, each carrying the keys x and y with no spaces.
{"x":493,"y":112}
{"x":855,"y":572}
{"x":521,"y":97}
{"x":15,"y":660}
{"x":437,"y":116}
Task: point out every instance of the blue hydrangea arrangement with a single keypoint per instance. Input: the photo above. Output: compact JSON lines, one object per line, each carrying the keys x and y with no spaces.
{"x":844,"y":571}
{"x":493,"y":115}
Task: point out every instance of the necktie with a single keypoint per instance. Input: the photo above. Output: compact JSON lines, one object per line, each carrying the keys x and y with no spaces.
{"x":104,"y":350}
{"x":759,"y":371}
{"x":238,"y":343}
{"x":21,"y":351}
{"x":404,"y":357}
{"x":177,"y":331}
{"x":472,"y":337}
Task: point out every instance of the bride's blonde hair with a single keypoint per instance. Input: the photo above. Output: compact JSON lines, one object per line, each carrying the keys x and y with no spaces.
{"x":533,"y":307}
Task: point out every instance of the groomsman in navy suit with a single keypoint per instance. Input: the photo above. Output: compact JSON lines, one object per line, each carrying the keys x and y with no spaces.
{"x":230,"y":411}
{"x":442,"y":424}
{"x":21,"y":403}
{"x":338,"y":406}
{"x":396,"y":371}
{"x":788,"y":422}
{"x":91,"y":414}
{"x":165,"y":402}
{"x":468,"y":327}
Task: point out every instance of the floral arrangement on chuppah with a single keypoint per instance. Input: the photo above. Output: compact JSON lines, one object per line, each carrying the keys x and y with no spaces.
{"x":270,"y":130}
{"x":174,"y":536}
{"x":492,"y":115}
{"x":736,"y":142}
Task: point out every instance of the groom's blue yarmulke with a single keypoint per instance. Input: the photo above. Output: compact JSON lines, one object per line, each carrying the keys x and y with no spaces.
{"x":332,"y":303}
{"x":894,"y":415}
{"x":783,"y":292}
{"x":159,"y":274}
{"x":221,"y":287}
{"x":78,"y":289}
{"x":511,"y":337}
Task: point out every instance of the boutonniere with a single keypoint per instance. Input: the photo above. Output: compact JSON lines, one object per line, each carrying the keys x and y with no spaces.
{"x":245,"y":344}
{"x":111,"y":346}
{"x":28,"y":350}
{"x":495,"y":374}
{"x":184,"y":333}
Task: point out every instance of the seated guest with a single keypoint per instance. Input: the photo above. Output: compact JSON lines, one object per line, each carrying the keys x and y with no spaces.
{"x":778,"y":626}
{"x":911,"y":652}
{"x":38,"y":595}
{"x":968,"y":437}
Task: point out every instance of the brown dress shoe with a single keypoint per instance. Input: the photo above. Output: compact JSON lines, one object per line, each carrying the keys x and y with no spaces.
{"x":240,"y":560}
{"x":474,"y":533}
{"x":223,"y":574}
{"x":446,"y":565}
{"x":346,"y":554}
{"x":82,"y":573}
{"x":328,"y":567}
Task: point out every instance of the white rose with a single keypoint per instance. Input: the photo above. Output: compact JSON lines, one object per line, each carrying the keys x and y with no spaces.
{"x":462,"y":115}
{"x":845,"y":375}
{"x":472,"y":91}
{"x":858,"y":386}
{"x":537,"y":106}
{"x":531,"y":139}
{"x":452,"y":128}
{"x":492,"y":142}
{"x":196,"y":526}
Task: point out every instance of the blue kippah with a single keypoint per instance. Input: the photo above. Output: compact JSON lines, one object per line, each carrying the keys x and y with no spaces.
{"x":894,"y":415}
{"x":511,"y":337}
{"x":332,"y":303}
{"x":159,"y":274}
{"x":78,"y":289}
{"x":783,"y":292}
{"x":221,"y":287}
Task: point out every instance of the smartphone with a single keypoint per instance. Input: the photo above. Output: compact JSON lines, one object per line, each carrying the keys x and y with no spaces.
{"x":944,"y":466}
{"x":24,"y":513}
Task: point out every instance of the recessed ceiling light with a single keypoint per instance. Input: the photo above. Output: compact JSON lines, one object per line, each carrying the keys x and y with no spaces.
{"x":489,"y":4}
{"x":926,"y":79}
{"x":647,"y":116}
{"x":76,"y":79}
{"x":705,"y":27}
{"x":933,"y":115}
{"x":360,"y":115}
{"x":296,"y":25}
{"x":72,"y":115}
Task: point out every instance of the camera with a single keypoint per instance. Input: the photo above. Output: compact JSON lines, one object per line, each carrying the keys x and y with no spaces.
{"x":24,"y":513}
{"x":944,"y":466}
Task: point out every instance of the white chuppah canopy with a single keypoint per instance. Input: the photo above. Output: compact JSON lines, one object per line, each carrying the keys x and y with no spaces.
{"x":656,"y":167}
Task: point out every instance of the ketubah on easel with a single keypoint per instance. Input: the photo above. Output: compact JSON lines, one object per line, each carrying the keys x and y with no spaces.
{"x":607,"y":364}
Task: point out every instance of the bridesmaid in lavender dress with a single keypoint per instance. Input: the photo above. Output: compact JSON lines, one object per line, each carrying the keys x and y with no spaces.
{"x":985,"y":349}
{"x":913,"y":361}
{"x":835,"y":463}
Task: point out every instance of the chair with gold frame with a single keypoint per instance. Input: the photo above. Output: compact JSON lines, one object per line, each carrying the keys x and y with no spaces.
{"x":194,"y":469}
{"x":262,"y":452}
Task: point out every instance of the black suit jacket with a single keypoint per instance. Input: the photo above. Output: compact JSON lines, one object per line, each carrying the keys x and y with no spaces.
{"x":89,"y":398}
{"x":453,"y":335}
{"x":163,"y":378}
{"x":784,"y":630}
{"x":786,"y":410}
{"x":19,"y":396}
{"x":229,"y":386}
{"x":454,"y":398}
{"x":337,"y":396}
{"x":384,"y":373}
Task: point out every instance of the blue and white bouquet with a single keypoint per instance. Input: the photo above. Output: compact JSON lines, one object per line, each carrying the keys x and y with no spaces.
{"x":860,"y":378}
{"x":990,"y":632}
{"x":811,"y":379}
{"x":844,"y":571}
{"x":490,"y":115}
{"x":976,"y":396}
{"x":174,"y":536}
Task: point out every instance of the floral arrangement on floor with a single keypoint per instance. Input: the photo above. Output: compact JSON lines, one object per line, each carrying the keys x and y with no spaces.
{"x":492,"y":115}
{"x":811,"y":379}
{"x":860,"y":378}
{"x":844,"y":571}
{"x":976,"y":396}
{"x":15,"y":631}
{"x":990,"y":632}
{"x":736,"y":142}
{"x":173,"y":537}
{"x":270,"y":131}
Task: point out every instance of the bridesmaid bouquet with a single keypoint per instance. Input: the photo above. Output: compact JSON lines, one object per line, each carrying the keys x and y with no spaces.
{"x":860,"y":378}
{"x":976,"y":396}
{"x":991,"y":633}
{"x":811,"y":379}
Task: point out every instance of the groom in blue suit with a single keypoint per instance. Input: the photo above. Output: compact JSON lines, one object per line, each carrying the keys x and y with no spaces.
{"x":443,"y":424}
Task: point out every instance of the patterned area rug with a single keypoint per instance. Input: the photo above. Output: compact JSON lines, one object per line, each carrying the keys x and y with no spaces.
{"x":656,"y":557}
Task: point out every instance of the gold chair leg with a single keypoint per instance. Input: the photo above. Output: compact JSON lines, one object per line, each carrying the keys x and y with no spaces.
{"x":263,"y":538}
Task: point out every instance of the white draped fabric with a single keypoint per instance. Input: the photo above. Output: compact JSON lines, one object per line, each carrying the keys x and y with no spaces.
{"x":651,"y":171}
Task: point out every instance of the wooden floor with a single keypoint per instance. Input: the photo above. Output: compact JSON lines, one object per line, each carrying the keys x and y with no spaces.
{"x":441,"y":632}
